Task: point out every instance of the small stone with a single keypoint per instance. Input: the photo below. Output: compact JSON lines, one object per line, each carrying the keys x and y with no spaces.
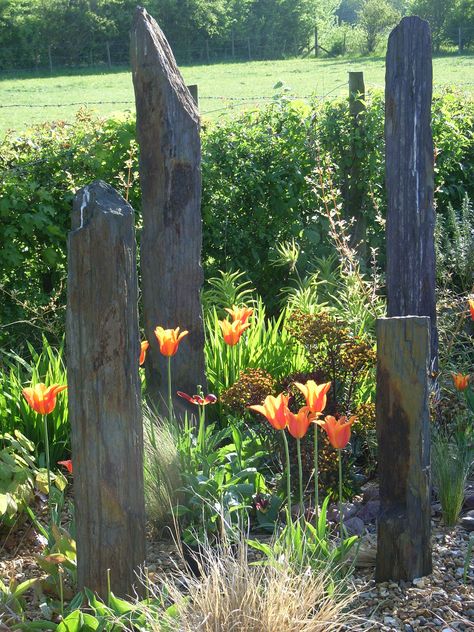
{"x":354,"y":526}
{"x":420,"y":582}
{"x":370,"y":511}
{"x":389,"y":621}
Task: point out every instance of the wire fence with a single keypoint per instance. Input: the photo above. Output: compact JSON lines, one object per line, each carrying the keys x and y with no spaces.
{"x":113,"y":55}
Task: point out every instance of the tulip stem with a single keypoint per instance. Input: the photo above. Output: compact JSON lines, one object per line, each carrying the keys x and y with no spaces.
{"x":48,"y":470}
{"x":288,"y":475}
{"x":300,"y":473}
{"x":316,"y":474}
{"x":170,"y":396}
{"x":341,"y":517}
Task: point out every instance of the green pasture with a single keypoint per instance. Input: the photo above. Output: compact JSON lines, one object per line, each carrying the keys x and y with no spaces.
{"x":223,"y":88}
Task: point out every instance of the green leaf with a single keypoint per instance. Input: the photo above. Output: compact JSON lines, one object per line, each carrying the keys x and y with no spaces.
{"x":78,"y":621}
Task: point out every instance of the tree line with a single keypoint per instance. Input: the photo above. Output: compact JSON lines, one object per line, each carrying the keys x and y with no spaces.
{"x":33,"y":32}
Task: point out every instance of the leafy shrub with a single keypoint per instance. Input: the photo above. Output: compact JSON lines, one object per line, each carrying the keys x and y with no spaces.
{"x":258,"y":191}
{"x":347,"y":360}
{"x":252,"y":386}
{"x":17,"y":476}
{"x":455,"y":247}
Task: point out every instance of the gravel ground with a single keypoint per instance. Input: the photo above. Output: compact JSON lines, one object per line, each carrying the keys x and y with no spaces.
{"x":441,"y":602}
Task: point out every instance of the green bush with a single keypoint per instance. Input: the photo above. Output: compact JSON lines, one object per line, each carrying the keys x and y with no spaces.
{"x":259,"y":190}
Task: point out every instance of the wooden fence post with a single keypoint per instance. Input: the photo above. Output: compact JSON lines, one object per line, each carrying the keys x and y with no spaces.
{"x":170,"y":180}
{"x":104,"y":391}
{"x":316,"y":51}
{"x":109,"y":59}
{"x":193,"y":89}
{"x":403,"y":434}
{"x":409,"y":175}
{"x":355,"y":190}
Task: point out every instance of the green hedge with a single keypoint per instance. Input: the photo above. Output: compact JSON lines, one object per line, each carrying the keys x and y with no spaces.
{"x":258,"y":190}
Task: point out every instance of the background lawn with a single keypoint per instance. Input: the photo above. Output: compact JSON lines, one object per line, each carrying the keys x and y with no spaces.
{"x":223,"y":88}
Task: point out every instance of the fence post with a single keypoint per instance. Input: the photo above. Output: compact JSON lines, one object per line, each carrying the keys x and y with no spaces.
{"x":193,"y":89}
{"x":355,"y":190}
{"x":208,"y":57}
{"x":104,"y":391}
{"x":232,"y":42}
{"x":409,"y":167}
{"x":50,"y":60}
{"x":316,"y":41}
{"x":403,"y":434}
{"x":170,"y":180}
{"x":109,"y":59}
{"x":460,"y":42}
{"x":248,"y":48}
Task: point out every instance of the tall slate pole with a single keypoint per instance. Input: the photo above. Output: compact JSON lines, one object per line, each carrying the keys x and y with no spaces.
{"x":170,"y":179}
{"x":409,"y":175}
{"x":104,"y":391}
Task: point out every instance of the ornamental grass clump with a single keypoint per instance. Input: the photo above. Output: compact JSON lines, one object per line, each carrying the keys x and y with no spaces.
{"x":233,"y":595}
{"x":451,"y":462}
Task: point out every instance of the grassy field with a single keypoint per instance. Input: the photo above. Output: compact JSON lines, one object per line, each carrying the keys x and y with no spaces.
{"x":223,"y":88}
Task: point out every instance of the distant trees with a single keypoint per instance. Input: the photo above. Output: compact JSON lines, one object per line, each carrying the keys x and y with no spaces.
{"x":375,"y":17}
{"x":80,"y":31}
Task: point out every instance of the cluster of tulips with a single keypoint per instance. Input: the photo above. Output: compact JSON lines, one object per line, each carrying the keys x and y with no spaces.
{"x":276,"y":410}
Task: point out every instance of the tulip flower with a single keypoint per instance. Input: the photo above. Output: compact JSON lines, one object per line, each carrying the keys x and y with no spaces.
{"x":198,"y":399}
{"x":143,"y":349}
{"x":471,"y":307}
{"x":274,"y":409}
{"x":169,"y":340}
{"x":202,"y":402}
{"x":339,"y":433}
{"x":337,"y":430}
{"x":315,"y":394}
{"x":42,"y":399}
{"x":316,"y":399}
{"x":232,"y":331}
{"x":67,"y":464}
{"x":298,"y":425}
{"x":240,"y":314}
{"x":461,"y":381}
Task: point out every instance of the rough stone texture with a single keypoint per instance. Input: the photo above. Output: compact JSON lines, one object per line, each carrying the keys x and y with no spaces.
{"x":409,"y":175}
{"x":104,"y":391}
{"x":170,"y":180}
{"x":403,"y":434}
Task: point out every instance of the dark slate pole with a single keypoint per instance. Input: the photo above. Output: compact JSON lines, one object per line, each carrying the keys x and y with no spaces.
{"x":409,"y":175}
{"x":104,"y":391}
{"x":170,"y":180}
{"x":403,"y":434}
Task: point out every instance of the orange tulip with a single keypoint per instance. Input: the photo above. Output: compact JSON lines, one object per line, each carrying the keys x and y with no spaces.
{"x":471,"y":307}
{"x":169,"y":340}
{"x":461,"y":381}
{"x":298,"y":424}
{"x":232,"y":331}
{"x":239,"y":313}
{"x":67,"y":464}
{"x":42,"y":398}
{"x":143,"y":348}
{"x":274,"y":409}
{"x":337,"y":430}
{"x":315,"y":395}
